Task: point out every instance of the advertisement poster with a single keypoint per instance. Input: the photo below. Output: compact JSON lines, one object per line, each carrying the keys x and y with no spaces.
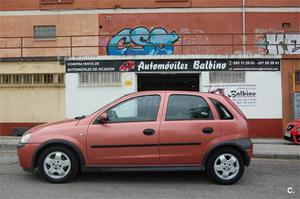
{"x":240,"y":94}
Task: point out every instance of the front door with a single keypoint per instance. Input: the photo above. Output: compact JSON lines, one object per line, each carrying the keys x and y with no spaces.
{"x":187,"y":129}
{"x":130,"y":137}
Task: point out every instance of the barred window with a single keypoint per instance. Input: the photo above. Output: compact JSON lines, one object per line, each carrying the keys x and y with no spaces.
{"x":31,"y":80}
{"x":100,"y":79}
{"x":227,"y":77}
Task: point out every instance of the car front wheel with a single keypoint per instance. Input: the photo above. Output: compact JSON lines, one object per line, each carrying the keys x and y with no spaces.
{"x":225,"y":166}
{"x":58,"y":164}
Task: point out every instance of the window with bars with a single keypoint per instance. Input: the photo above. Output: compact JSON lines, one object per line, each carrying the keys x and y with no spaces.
{"x":25,"y":80}
{"x":100,"y":79}
{"x":227,"y":77}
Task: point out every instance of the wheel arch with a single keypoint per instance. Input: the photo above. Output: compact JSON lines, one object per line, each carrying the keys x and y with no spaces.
{"x":57,"y":142}
{"x":239,"y":145}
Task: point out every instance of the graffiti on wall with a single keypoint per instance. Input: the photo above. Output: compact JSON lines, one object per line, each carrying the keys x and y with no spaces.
{"x":142,"y":41}
{"x":280,"y":43}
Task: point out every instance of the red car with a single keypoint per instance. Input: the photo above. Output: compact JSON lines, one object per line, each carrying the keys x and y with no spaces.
{"x":150,"y":130}
{"x":127,"y":66}
{"x":292,"y":132}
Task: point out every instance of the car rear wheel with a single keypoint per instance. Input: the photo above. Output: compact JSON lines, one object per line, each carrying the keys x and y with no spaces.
{"x":58,"y":164}
{"x":225,"y":166}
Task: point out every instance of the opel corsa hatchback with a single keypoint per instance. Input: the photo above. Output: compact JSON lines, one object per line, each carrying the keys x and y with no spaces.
{"x":150,"y":130}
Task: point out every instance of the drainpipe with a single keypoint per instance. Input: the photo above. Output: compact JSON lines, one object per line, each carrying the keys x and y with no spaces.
{"x":244,"y":28}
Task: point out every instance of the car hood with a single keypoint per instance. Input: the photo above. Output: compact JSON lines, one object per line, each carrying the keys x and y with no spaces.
{"x":58,"y":124}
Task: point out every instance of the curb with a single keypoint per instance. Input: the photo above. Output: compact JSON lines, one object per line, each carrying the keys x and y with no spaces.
{"x":277,"y":156}
{"x":8,"y":146}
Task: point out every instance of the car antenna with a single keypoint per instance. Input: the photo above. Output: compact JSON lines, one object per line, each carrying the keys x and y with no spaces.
{"x":209,"y":89}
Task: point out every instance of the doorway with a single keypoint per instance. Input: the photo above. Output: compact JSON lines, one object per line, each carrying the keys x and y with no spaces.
{"x":182,"y":82}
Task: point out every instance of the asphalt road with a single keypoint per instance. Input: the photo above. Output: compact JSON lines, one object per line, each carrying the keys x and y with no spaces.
{"x":265,"y":178}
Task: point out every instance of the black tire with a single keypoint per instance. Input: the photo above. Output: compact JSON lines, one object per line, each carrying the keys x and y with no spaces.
{"x":72,"y":172}
{"x":212,"y":174}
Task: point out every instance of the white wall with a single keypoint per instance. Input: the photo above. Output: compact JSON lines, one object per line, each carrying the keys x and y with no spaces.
{"x":267,"y":85}
{"x":85,"y":100}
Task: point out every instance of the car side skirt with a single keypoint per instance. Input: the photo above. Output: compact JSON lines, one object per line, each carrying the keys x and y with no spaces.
{"x":129,"y":168}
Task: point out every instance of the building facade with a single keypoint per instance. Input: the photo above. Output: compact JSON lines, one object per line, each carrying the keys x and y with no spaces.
{"x":61,"y":59}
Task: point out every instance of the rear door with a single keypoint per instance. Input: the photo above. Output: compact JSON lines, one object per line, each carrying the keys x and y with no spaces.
{"x":188,"y":128}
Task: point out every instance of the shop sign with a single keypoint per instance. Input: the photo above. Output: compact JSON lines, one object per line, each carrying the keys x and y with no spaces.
{"x":172,"y":65}
{"x":240,"y":94}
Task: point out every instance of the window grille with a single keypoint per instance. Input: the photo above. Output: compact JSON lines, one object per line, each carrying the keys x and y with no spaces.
{"x":100,"y":79}
{"x":227,"y":77}
{"x":31,"y":80}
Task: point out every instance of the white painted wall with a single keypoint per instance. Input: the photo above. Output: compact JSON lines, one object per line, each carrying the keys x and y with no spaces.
{"x":268,"y":93}
{"x":85,"y":100}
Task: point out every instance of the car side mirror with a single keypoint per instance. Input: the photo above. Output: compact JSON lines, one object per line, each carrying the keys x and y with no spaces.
{"x":103,"y":118}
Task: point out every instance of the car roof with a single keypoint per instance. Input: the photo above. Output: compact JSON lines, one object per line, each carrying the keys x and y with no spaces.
{"x":176,"y":92}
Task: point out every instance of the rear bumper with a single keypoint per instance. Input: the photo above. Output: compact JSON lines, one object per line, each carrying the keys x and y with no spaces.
{"x":247,"y":148}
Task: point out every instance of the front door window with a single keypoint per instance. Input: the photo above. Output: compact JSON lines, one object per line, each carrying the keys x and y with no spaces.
{"x":137,"y":109}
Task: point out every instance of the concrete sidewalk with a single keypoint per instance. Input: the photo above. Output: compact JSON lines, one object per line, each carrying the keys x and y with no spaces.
{"x":263,"y":147}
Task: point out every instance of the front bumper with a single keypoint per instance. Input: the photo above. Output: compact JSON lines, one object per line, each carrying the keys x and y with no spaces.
{"x":25,"y":154}
{"x":293,"y":138}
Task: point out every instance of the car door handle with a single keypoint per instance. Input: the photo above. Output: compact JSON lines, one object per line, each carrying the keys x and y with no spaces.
{"x":207,"y":130}
{"x":149,"y":132}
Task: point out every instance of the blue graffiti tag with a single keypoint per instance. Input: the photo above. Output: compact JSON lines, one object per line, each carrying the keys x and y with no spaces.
{"x":140,"y":41}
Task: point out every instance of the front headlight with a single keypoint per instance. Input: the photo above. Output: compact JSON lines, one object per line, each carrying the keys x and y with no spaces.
{"x":26,"y":136}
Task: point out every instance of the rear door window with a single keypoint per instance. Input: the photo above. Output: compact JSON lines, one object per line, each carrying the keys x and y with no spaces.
{"x":187,"y":107}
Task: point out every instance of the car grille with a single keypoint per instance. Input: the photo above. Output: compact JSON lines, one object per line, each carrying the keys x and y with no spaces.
{"x":289,"y":127}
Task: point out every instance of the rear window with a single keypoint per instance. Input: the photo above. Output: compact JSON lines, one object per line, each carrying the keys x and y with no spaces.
{"x":224,"y":113}
{"x":235,"y":106}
